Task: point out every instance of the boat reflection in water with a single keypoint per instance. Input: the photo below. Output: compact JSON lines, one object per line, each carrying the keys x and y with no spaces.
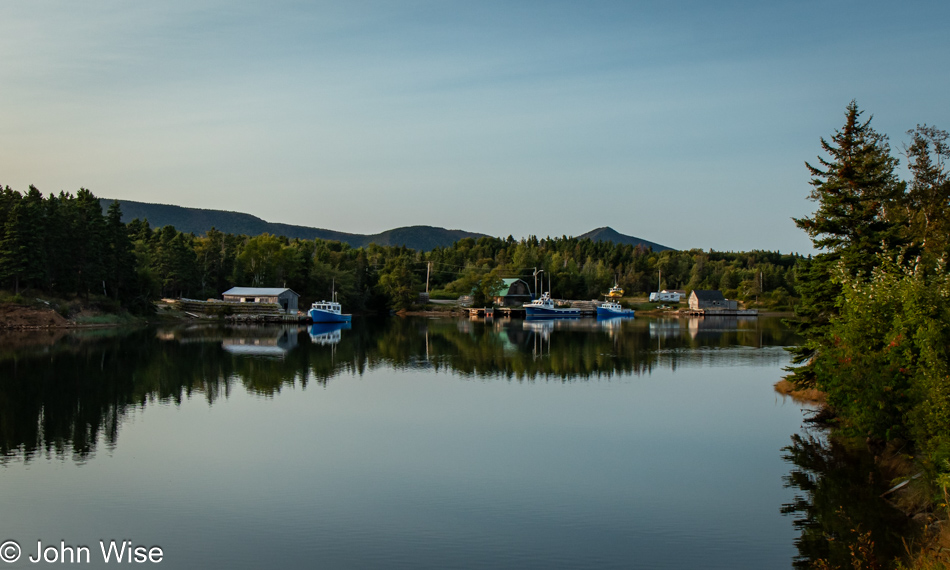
{"x":546,"y":326}
{"x":328,"y":333}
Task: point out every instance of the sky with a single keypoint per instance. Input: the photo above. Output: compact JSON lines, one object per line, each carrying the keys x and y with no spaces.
{"x":684,"y":123}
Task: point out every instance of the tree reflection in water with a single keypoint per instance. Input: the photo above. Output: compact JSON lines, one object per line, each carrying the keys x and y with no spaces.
{"x":61,"y":396}
{"x":843,"y":520}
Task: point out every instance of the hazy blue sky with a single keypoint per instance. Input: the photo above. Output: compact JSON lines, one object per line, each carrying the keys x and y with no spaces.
{"x":685,"y":123}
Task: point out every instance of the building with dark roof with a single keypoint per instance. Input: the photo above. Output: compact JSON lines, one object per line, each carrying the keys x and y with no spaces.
{"x":707,"y":300}
{"x":512,"y":293}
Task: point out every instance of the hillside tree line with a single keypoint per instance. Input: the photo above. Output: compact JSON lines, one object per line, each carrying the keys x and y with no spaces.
{"x":66,"y":245}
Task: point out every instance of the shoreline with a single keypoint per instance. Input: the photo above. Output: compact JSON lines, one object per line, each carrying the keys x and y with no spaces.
{"x":909,"y":494}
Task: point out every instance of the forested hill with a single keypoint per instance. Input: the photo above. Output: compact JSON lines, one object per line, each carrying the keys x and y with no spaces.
{"x":198,"y":221}
{"x":420,"y":238}
{"x":610,"y":234}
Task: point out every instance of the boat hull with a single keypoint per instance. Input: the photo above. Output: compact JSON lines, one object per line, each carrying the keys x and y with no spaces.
{"x":611,"y":313}
{"x":545,"y":313}
{"x":318,"y":316}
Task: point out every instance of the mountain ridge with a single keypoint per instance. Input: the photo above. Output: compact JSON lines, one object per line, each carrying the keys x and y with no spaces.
{"x":607,"y":233}
{"x":421,"y":237}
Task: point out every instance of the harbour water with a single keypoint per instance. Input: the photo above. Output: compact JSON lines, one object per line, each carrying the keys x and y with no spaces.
{"x":407,"y":443}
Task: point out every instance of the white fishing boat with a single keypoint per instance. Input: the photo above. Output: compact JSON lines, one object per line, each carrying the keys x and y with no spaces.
{"x":544,"y":308}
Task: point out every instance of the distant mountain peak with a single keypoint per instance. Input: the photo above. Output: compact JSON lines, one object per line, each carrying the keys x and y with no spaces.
{"x":607,"y":233}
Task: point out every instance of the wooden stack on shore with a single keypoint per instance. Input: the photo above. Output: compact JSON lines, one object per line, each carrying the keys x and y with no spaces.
{"x":586,"y":307}
{"x":244,"y":312}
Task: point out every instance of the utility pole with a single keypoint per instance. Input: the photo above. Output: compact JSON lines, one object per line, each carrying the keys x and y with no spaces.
{"x":536,"y":273}
{"x":759,"y":289}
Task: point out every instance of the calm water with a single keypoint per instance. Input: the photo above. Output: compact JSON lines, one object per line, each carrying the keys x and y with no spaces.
{"x":412,"y":443}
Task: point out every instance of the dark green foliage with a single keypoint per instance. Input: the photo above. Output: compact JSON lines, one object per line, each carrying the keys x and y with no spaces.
{"x":928,"y":195}
{"x":818,"y":293}
{"x":119,"y":259}
{"x":874,"y":306}
{"x":90,"y":243}
{"x":859,"y":216}
{"x":14,"y":248}
{"x":858,"y":194}
{"x":584,"y":269}
{"x":399,"y":283}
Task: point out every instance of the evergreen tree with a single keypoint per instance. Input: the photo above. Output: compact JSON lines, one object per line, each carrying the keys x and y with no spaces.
{"x":13,"y":249}
{"x":57,"y":244}
{"x":21,"y":250}
{"x":119,"y":259}
{"x":858,"y":195}
{"x":89,"y":238}
{"x":858,"y":217}
{"x":8,"y":198}
{"x":928,"y":197}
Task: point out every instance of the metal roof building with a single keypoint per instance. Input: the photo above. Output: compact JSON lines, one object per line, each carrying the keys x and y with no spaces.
{"x":512,"y":293}
{"x":287,"y":299}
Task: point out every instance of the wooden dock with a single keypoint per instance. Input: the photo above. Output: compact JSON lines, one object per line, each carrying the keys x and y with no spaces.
{"x":587,"y":308}
{"x":720,"y":312}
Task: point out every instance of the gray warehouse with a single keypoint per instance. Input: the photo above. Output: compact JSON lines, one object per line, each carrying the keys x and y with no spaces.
{"x":286,"y":298}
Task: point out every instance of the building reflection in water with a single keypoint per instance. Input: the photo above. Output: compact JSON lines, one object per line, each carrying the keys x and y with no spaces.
{"x":270,"y":346}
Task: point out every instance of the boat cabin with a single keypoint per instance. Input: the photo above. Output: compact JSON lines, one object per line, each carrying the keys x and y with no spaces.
{"x":329,"y":306}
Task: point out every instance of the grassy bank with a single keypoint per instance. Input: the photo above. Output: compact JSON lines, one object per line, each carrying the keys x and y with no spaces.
{"x":34,"y":310}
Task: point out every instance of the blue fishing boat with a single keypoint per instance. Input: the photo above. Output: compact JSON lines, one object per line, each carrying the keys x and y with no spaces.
{"x":544,"y":308}
{"x":611,"y":309}
{"x":327,"y":312}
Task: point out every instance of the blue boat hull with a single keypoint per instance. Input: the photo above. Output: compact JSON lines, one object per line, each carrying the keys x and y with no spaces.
{"x":326,"y":328}
{"x":609,"y":314}
{"x":319,"y":316}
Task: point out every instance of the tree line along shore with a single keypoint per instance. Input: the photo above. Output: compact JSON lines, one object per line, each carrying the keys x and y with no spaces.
{"x":64,"y":247}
